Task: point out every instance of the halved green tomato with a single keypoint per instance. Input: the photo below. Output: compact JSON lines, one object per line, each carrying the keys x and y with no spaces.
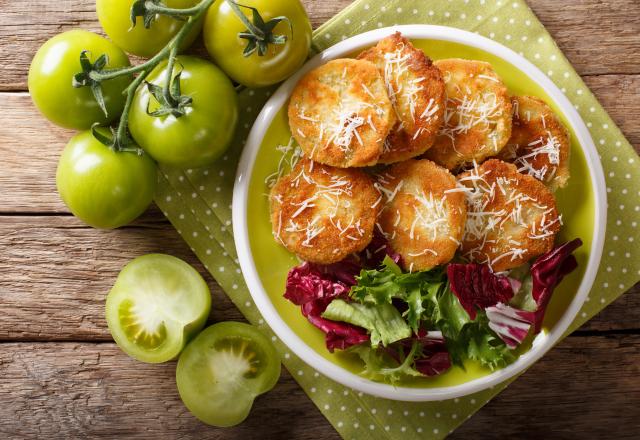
{"x":224,"y":369}
{"x":156,"y":306}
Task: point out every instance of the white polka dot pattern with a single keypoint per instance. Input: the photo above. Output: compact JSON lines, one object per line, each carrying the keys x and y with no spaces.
{"x":198,"y":203}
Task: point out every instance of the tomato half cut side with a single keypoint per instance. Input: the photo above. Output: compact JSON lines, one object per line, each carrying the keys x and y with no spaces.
{"x":156,"y":306}
{"x":222,"y":371}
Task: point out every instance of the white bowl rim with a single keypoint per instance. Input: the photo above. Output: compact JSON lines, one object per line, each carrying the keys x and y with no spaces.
{"x":543,"y":342}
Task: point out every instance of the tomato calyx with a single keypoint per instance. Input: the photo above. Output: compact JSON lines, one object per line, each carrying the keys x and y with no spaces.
{"x":169,"y":99}
{"x":259,"y":34}
{"x":83,"y":79}
{"x":114,"y":142}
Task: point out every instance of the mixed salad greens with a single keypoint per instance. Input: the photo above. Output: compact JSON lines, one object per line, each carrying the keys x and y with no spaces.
{"x":422,"y":323}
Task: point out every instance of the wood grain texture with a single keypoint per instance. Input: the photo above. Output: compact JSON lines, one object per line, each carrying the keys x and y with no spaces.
{"x":55,"y":272}
{"x":67,"y":390}
{"x":596,"y":35}
{"x":62,"y":390}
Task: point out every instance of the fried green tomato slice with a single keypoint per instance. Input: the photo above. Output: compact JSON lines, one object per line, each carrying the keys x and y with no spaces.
{"x":477,"y":119}
{"x":424,"y":213}
{"x":511,"y":217}
{"x":340,"y":114}
{"x":416,"y":89}
{"x":322,"y":213}
{"x":539,"y":145}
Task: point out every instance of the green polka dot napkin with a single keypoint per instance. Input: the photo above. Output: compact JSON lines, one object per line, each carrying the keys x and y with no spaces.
{"x":198,"y":203}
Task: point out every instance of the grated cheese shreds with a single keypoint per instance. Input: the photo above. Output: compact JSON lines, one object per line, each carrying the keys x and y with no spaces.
{"x":462,"y":115}
{"x":549,"y":146}
{"x":290,"y":155}
{"x":402,"y":88}
{"x":492,"y":231}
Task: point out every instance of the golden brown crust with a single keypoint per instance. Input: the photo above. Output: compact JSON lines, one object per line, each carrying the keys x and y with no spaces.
{"x":416,"y":89}
{"x":477,"y":116}
{"x":322,"y":213}
{"x":340,"y":114}
{"x":539,"y":143}
{"x":511,"y":218}
{"x":423,"y":217}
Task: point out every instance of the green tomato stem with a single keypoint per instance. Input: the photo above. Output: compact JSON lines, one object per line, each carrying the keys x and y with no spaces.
{"x":170,"y":63}
{"x":201,"y":8}
{"x":169,"y":51}
{"x":121,"y":133}
{"x":171,"y":12}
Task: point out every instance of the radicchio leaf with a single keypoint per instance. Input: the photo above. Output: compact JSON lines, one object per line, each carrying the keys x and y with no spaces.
{"x":511,"y":324}
{"x":313,"y":287}
{"x":476,"y":286}
{"x":547,"y":272}
{"x":434,"y":358}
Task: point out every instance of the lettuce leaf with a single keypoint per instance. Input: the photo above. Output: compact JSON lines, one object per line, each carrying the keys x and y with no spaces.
{"x":382,"y":321}
{"x":383,"y":285}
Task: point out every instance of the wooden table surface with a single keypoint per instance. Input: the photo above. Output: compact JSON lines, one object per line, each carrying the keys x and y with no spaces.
{"x":61,"y":375}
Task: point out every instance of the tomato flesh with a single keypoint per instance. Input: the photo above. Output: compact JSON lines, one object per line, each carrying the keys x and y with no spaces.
{"x":51,"y":74}
{"x":156,"y":306}
{"x":222,"y":371}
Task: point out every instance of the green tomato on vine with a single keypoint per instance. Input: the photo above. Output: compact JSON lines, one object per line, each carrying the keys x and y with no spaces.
{"x":51,"y":80}
{"x":103,"y":187}
{"x":190,"y":132}
{"x":133,"y":36}
{"x":258,"y":42}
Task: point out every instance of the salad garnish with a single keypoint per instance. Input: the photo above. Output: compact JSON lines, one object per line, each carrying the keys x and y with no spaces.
{"x":420,"y":324}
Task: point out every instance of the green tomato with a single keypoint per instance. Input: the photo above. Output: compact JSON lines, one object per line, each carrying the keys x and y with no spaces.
{"x":51,"y":74}
{"x":102,"y":187}
{"x":202,"y":134}
{"x":157,"y":304}
{"x":221,"y":37}
{"x":115,"y":18}
{"x":223,"y":370}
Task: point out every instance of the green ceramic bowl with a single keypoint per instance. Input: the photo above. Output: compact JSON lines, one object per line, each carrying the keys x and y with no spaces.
{"x":265,"y":263}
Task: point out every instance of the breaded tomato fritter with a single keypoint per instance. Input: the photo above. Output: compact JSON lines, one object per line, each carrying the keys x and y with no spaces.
{"x":416,"y":89}
{"x":424,"y":213}
{"x":511,"y":217}
{"x":477,"y":119}
{"x":340,"y":113}
{"x":322,"y":213}
{"x":539,"y":145}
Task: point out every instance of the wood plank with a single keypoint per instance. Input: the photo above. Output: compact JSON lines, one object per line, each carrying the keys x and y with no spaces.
{"x":65,"y":390}
{"x":55,"y":273}
{"x":583,"y":389}
{"x":592,"y":32}
{"x":596,"y":35}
